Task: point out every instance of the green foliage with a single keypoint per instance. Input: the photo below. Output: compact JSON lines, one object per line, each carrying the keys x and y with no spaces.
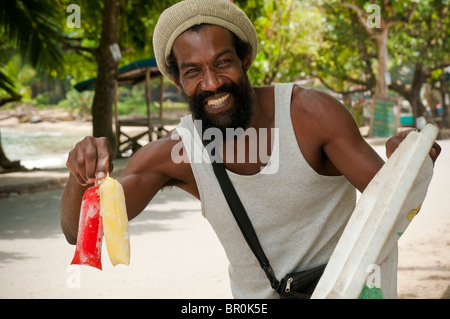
{"x":425,"y":39}
{"x":31,"y":27}
{"x":419,"y":34}
{"x":78,"y":103}
{"x":132,"y":101}
{"x":358,"y":113}
{"x":298,"y":39}
{"x":347,"y":52}
{"x":289,"y":36}
{"x":20,"y":75}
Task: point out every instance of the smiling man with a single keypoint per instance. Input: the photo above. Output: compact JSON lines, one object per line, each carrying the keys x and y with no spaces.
{"x":213,"y":101}
{"x":300,"y":208}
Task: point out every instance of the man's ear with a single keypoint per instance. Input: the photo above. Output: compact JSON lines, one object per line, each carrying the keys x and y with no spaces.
{"x":247,"y":62}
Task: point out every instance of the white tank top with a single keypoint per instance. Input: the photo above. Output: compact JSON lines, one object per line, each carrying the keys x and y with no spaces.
{"x":298,"y":214}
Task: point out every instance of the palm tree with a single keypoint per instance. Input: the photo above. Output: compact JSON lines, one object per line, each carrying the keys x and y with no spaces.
{"x":28,"y":26}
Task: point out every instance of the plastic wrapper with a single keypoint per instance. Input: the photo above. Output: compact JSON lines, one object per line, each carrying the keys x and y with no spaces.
{"x":115,"y":221}
{"x":90,"y":231}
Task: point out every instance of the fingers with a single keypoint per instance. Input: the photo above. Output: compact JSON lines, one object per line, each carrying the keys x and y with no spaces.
{"x":75,"y":164}
{"x":393,"y":143}
{"x":90,"y":159}
{"x":104,"y":158}
{"x":402,"y":135}
{"x":435,"y":151}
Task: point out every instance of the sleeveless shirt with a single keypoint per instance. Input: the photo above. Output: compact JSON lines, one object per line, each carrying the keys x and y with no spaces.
{"x":298,"y":214}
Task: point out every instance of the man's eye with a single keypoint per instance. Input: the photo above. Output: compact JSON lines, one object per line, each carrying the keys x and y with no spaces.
{"x":222,"y":62}
{"x":191,"y":71}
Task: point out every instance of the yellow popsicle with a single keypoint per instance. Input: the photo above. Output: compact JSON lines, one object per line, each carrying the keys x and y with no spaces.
{"x":115,"y":221}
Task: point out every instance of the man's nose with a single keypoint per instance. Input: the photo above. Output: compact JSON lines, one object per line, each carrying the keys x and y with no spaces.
{"x":211,"y":81}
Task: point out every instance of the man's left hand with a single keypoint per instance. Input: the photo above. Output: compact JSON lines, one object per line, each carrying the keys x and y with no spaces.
{"x":393,"y":142}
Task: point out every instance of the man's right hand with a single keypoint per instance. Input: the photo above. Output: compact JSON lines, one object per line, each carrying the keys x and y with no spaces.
{"x":91,"y":158}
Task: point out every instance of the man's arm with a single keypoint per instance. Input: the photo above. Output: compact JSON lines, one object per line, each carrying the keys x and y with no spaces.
{"x":90,"y":158}
{"x":146,"y":173}
{"x":330,"y":139}
{"x":331,"y":142}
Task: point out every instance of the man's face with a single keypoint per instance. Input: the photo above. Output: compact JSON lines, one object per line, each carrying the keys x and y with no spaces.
{"x":213,"y":78}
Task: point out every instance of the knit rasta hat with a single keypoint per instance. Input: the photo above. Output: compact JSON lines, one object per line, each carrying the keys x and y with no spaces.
{"x":185,"y":14}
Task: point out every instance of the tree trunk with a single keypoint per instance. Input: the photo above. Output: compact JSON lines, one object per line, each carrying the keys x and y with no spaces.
{"x":445,"y":107}
{"x":412,"y":94}
{"x":381,"y":89}
{"x":107,"y":71}
{"x":417,"y":106}
{"x":5,"y":163}
{"x":418,"y":79}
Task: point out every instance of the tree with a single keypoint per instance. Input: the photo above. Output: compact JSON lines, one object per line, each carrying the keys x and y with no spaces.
{"x":33,"y":38}
{"x":289,"y":36}
{"x":392,"y":13}
{"x":107,"y":64}
{"x":345,"y":60}
{"x":126,"y":24}
{"x":361,"y":47}
{"x":105,"y":88}
{"x":10,"y":91}
{"x":424,"y":44}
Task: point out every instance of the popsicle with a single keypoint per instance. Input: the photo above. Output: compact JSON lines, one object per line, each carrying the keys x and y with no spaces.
{"x":90,"y":231}
{"x":115,"y":221}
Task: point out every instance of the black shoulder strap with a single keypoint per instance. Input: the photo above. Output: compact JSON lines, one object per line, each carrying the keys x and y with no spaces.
{"x":243,"y":221}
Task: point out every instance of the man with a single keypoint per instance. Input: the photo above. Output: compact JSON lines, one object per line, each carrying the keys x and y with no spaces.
{"x":298,"y":200}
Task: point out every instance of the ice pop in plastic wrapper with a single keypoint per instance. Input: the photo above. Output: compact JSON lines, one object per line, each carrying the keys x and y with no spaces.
{"x":90,"y":231}
{"x":115,"y":221}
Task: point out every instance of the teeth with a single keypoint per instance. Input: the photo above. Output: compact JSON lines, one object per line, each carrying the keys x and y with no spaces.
{"x":218,"y":101}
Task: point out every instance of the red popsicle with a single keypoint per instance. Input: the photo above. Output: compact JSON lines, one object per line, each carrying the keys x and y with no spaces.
{"x":90,"y":231}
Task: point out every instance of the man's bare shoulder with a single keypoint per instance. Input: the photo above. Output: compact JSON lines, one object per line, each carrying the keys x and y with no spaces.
{"x":314,"y":108}
{"x":312,"y":100}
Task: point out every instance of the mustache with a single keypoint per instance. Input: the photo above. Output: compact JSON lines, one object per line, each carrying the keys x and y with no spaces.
{"x":226,"y":88}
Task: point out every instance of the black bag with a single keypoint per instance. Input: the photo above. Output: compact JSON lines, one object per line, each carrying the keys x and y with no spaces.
{"x":298,"y":285}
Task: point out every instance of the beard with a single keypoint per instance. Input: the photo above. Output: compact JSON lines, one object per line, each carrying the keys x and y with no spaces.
{"x":237,"y":116}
